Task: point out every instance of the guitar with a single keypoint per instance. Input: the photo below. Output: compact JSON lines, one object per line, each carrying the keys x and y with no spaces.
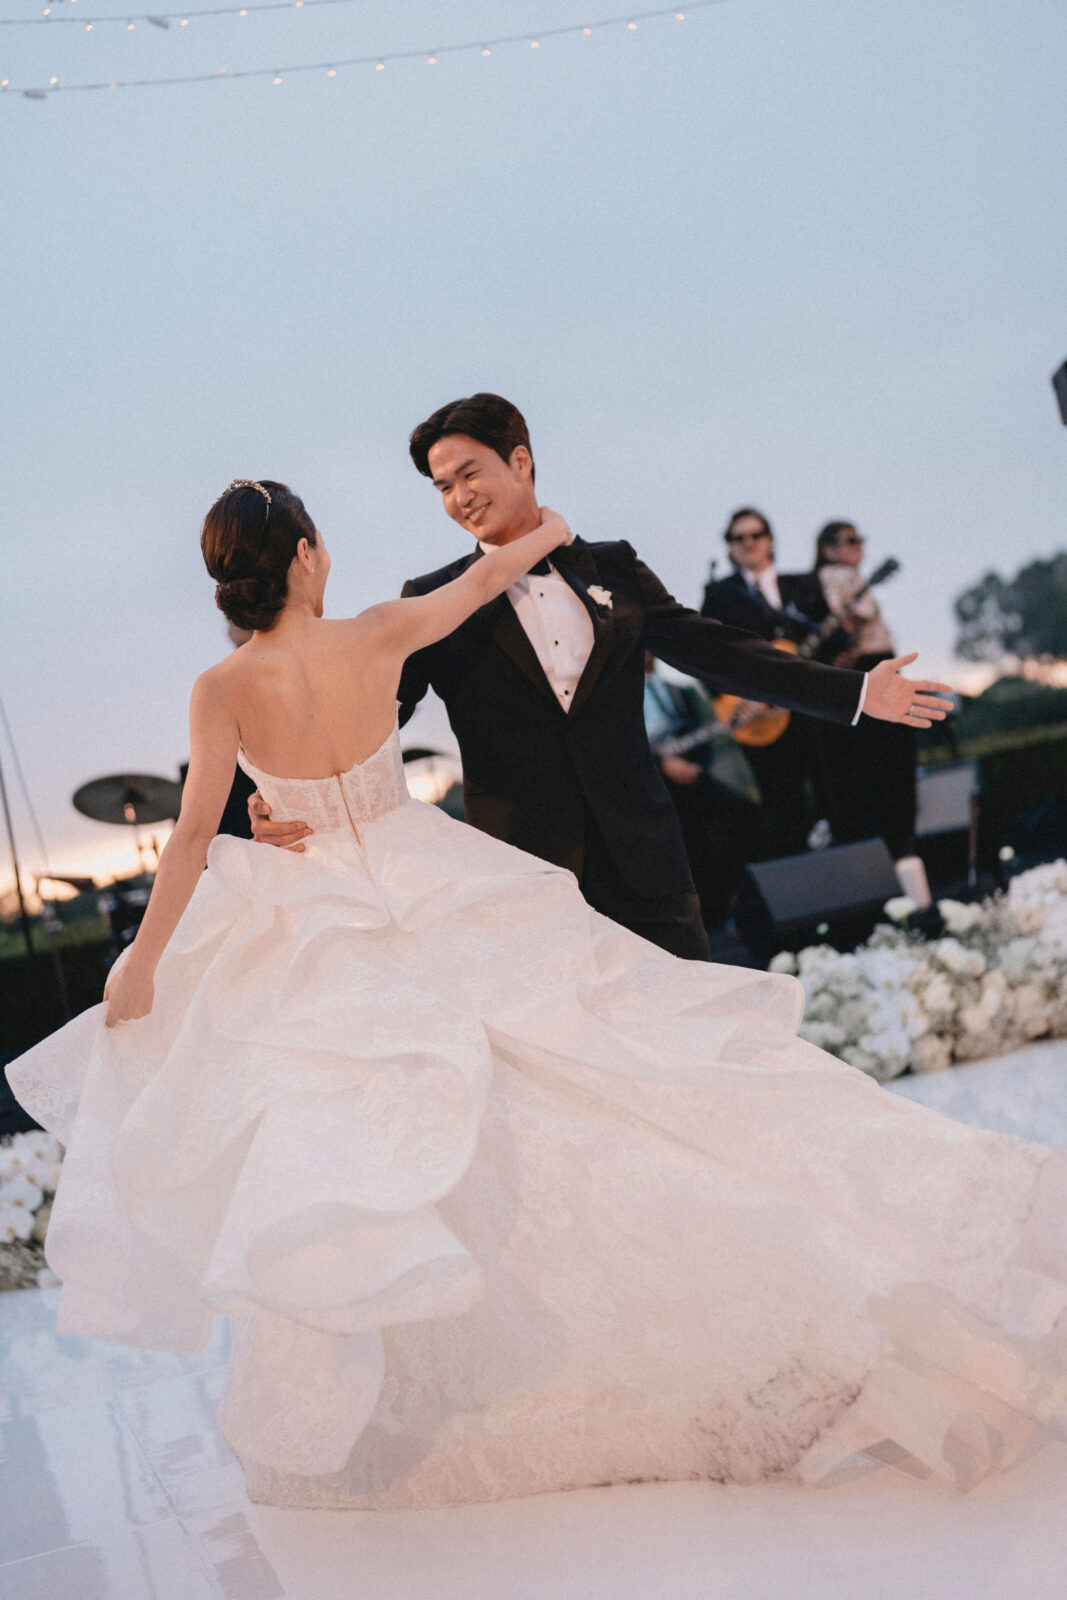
{"x":755,"y":724}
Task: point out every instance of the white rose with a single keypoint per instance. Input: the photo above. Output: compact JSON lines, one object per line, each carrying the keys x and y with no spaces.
{"x":784,"y":961}
{"x":21,"y":1191}
{"x":931,"y":1053}
{"x":900,"y":907}
{"x":960,"y":918}
{"x":15,"y":1223}
{"x":938,"y":996}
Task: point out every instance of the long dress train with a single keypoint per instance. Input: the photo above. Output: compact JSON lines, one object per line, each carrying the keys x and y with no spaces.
{"x":500,"y":1198}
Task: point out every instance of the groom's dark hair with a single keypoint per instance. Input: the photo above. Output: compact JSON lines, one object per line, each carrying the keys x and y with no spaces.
{"x":489,"y":418}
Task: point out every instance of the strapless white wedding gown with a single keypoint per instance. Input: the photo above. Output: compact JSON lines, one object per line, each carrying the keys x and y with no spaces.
{"x":500,"y":1198}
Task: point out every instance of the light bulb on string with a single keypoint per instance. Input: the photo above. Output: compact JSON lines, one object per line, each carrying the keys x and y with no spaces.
{"x":535,"y":44}
{"x":487,"y":52}
{"x":587,"y":31}
{"x":277,"y":78}
{"x":431,"y":61}
{"x":380,"y":66}
{"x":129,"y":27}
{"x":331,"y":72}
{"x":632,"y":26}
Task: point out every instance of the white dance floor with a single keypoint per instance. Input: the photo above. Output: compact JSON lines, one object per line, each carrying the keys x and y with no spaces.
{"x":115,"y":1486}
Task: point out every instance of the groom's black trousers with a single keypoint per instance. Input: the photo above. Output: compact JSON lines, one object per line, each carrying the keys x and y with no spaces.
{"x":672,"y":921}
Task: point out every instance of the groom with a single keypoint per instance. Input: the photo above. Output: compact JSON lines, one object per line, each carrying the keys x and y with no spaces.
{"x":544,"y":687}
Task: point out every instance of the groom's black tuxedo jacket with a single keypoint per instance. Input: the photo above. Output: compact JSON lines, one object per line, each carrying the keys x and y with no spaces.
{"x":532,"y":772}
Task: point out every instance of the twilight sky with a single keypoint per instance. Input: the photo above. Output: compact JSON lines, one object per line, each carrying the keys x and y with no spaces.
{"x":810,"y":254}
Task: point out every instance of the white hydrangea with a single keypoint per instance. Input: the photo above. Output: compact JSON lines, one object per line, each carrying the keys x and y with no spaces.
{"x":996,"y":977}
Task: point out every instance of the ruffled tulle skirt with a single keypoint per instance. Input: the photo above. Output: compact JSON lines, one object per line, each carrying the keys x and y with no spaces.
{"x":500,"y":1198}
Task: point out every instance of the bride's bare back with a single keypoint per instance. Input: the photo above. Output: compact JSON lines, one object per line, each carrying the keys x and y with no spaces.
{"x":315,"y":700}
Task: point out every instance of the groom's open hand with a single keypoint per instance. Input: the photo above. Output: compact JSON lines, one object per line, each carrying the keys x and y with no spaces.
{"x":893,"y":698}
{"x":286,"y":835}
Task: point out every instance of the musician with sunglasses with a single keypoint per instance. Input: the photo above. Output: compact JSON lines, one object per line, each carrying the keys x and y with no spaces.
{"x":867,"y":772}
{"x":775,"y":605}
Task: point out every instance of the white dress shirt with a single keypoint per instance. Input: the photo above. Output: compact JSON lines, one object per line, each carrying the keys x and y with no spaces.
{"x":767,"y":584}
{"x":558,"y":626}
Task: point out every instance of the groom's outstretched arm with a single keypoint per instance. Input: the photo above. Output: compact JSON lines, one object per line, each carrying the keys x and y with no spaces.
{"x":733,"y":661}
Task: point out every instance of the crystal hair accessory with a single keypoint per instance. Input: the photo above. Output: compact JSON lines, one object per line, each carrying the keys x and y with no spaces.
{"x":246,"y":483}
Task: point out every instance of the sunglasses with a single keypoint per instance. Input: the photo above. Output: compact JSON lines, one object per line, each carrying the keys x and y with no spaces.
{"x":846,"y":538}
{"x":743,"y":538}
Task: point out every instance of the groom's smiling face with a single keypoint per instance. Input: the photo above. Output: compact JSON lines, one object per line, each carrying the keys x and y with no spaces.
{"x":491,"y":498}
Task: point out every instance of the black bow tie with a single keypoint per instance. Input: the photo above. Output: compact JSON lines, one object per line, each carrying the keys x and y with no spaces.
{"x":541,"y":570}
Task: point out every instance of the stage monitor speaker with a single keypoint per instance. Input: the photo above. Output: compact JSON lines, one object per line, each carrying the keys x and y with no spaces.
{"x":832,"y":896}
{"x":1059,"y":383}
{"x":944,"y":797}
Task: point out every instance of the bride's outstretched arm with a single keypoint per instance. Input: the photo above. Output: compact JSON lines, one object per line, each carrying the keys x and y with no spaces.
{"x":213,"y":751}
{"x":420,"y":620}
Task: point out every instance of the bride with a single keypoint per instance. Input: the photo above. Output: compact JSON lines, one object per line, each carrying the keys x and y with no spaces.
{"x":498,"y":1196}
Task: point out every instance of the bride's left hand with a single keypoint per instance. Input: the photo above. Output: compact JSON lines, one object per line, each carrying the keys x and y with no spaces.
{"x":129,"y":994}
{"x":893,"y":698}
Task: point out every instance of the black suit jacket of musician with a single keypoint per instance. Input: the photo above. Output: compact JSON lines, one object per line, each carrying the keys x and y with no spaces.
{"x":531,"y":770}
{"x":731,"y":600}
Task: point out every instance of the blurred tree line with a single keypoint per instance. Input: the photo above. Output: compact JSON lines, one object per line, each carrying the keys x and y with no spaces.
{"x":1024,"y":616}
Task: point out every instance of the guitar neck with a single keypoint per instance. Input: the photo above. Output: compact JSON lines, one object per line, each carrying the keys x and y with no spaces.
{"x":829,"y":626}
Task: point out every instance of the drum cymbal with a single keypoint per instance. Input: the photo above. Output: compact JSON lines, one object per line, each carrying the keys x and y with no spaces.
{"x":129,"y":798}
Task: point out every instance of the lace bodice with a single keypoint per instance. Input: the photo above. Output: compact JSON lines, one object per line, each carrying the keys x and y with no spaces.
{"x":341,"y":804}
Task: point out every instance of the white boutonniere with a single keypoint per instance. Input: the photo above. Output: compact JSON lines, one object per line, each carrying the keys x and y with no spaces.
{"x":599,"y":596}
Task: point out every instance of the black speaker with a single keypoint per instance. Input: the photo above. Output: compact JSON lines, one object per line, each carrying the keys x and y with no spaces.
{"x":830,"y":896}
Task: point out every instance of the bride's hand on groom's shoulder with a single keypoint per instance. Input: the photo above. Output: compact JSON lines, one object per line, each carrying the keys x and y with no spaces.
{"x":553,"y":518}
{"x":128,"y":993}
{"x":285,"y":835}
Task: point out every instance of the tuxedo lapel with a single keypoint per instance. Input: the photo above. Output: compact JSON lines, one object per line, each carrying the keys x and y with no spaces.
{"x":576,"y":565}
{"x":510,"y":635}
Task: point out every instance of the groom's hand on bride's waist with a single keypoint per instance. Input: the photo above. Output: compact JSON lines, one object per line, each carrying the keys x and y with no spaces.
{"x":286,"y":835}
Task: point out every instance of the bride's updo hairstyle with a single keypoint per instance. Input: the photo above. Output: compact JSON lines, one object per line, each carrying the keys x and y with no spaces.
{"x":249,"y":540}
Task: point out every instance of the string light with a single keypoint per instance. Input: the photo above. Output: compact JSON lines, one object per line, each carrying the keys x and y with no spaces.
{"x":379,"y":62}
{"x":173,"y":16}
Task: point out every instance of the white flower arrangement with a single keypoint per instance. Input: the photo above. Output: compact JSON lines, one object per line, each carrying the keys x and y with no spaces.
{"x":996,"y":978}
{"x":29,"y":1174}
